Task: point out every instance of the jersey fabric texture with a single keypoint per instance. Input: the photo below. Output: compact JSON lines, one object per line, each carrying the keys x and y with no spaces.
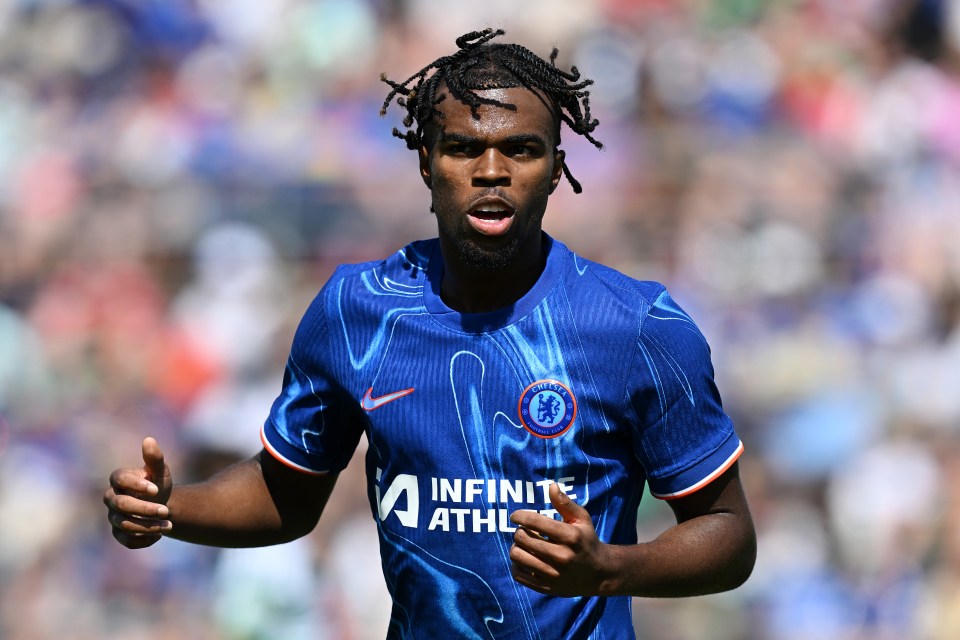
{"x":592,"y":379}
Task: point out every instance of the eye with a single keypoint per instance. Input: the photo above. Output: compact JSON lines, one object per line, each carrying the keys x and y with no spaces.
{"x":462,"y":150}
{"x":524,"y":150}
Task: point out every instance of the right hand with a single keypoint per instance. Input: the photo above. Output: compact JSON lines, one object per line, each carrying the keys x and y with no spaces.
{"x":137,"y":500}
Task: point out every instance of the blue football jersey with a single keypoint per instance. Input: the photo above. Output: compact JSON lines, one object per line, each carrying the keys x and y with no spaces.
{"x":593,"y":380}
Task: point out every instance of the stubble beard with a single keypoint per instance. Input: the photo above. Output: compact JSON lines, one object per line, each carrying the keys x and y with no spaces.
{"x":490,"y":260}
{"x":491,"y":255}
{"x":498,"y":256}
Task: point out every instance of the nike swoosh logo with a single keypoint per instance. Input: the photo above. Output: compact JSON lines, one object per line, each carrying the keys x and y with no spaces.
{"x":369,"y":403}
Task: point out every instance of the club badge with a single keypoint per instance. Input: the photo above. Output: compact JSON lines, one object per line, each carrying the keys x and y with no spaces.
{"x":547,"y":408}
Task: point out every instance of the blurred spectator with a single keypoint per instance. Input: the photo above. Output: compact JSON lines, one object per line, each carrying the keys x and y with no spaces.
{"x":178,"y":178}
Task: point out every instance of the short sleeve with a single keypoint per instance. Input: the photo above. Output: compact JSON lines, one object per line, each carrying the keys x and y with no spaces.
{"x":683,"y":438}
{"x":311,"y":426}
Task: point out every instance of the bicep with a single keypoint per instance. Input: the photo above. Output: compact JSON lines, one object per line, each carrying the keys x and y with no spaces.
{"x":724,"y":495}
{"x":298,"y":496}
{"x":712,"y":548}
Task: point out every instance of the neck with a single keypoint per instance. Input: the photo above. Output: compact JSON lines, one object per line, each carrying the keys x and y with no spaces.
{"x":470,"y":289}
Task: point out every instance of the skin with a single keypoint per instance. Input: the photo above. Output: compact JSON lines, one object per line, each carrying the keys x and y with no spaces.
{"x":711,"y":549}
{"x":505,"y":157}
{"x":253,"y":503}
{"x":508,"y":159}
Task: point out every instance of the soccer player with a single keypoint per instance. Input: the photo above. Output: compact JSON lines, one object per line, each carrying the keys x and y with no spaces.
{"x":516,"y":396}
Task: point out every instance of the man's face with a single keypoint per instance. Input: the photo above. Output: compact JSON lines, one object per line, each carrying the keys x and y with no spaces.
{"x":490,"y":177}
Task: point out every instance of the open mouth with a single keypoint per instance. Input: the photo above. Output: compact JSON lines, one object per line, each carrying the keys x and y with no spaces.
{"x":491,"y":219}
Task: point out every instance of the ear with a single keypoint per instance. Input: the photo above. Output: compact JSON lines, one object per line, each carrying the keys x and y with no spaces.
{"x":558,"y":156}
{"x":424,"y":154}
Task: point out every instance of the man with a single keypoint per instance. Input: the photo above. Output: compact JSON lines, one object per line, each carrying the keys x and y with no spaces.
{"x":515,"y":397}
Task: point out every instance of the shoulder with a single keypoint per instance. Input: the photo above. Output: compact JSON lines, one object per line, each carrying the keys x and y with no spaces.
{"x":401,"y":270}
{"x":366,"y":285}
{"x":595,"y":281}
{"x":355,"y":299}
{"x":410,"y":261}
{"x":647,"y":304}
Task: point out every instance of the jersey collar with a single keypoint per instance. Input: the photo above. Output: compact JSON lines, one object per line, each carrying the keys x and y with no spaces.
{"x":499,"y":318}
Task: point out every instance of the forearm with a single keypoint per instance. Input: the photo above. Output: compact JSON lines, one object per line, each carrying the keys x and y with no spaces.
{"x":706,"y":554}
{"x":233,"y":508}
{"x":256,"y":502}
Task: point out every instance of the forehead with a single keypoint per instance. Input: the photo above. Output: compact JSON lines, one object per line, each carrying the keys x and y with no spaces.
{"x":531,"y":116}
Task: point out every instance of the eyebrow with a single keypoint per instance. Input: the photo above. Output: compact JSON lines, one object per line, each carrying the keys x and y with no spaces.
{"x":520,"y":138}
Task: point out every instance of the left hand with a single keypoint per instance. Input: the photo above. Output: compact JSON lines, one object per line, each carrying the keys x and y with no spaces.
{"x":559,"y":558}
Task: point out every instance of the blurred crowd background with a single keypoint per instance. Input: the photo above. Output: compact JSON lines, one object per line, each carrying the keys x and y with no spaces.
{"x":179,"y":177}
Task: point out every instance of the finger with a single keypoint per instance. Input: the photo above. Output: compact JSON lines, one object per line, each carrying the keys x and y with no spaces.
{"x":133,"y":506}
{"x":569,"y":510}
{"x":153,"y":459}
{"x":531,"y":579}
{"x":530,"y":563}
{"x":527,"y":580}
{"x":538,"y":524}
{"x":133,"y":482}
{"x":532,"y":542}
{"x":553,"y":553}
{"x":134,"y":525}
{"x":135,"y":541}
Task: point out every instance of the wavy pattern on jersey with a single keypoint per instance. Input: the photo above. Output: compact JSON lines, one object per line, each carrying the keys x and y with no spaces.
{"x":452,"y":584}
{"x":446,"y":582}
{"x":476,"y":427}
{"x":466,"y":382}
{"x":292,"y":390}
{"x":589,"y":390}
{"x":659,"y":357}
{"x":382,"y":285}
{"x":533,"y":348}
{"x":576,"y":264}
{"x":536,"y":346}
{"x":362,"y":347}
{"x":651,"y":348}
{"x":467,"y":387}
{"x":359,"y":355}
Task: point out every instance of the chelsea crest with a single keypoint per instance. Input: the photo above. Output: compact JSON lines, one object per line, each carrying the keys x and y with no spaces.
{"x":547,"y":408}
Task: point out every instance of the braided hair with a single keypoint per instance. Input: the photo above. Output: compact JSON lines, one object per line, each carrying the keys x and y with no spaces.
{"x":476,"y":66}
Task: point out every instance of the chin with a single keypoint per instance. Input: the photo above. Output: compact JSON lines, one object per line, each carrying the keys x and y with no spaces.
{"x":498,"y":257}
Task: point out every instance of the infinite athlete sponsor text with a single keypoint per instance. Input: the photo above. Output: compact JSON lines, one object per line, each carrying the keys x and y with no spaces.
{"x":466,"y":505}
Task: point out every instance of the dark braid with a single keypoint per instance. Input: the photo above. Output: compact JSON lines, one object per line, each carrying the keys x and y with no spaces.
{"x":476,"y":66}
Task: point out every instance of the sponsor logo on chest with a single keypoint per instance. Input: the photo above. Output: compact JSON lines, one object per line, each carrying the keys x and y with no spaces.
{"x":465,"y":505}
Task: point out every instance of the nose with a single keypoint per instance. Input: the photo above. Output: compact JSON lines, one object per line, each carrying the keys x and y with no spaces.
{"x":491,"y":169}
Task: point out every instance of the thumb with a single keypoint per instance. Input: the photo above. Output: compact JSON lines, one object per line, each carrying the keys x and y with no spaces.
{"x":569,"y":510}
{"x":153,"y":460}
